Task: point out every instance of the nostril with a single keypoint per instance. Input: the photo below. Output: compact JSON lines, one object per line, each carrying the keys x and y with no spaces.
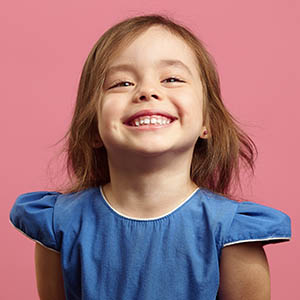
{"x":143,"y":97}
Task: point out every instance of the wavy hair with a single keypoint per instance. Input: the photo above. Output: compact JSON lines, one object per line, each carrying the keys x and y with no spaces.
{"x":216,"y":161}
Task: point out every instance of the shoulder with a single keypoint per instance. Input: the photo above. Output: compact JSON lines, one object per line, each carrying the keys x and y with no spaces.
{"x":32,"y":214}
{"x":217,"y":207}
{"x":49,"y":202}
{"x":75,"y":203}
{"x":71,"y":210}
{"x":44,"y":216}
{"x":238,"y":222}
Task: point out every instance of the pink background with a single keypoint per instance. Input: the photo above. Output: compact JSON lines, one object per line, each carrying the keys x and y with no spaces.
{"x":43,"y":48}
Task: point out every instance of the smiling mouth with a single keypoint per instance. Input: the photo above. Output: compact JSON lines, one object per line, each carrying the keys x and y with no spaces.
{"x":150,"y":118}
{"x":154,"y":120}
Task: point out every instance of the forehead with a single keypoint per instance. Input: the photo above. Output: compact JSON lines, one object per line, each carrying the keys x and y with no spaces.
{"x":156,"y":47}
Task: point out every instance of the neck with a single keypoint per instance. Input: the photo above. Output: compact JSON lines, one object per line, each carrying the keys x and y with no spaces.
{"x":148,"y":187}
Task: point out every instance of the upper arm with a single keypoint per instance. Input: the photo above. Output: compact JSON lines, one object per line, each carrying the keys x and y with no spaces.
{"x":48,"y":274}
{"x":244,"y":273}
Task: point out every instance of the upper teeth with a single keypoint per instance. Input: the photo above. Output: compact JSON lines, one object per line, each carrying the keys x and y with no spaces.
{"x":146,"y":120}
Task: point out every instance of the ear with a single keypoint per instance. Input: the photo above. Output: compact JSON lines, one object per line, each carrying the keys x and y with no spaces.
{"x":204,"y":133}
{"x":97,"y":143}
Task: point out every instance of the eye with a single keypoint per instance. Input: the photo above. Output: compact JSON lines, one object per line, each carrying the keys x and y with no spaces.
{"x":121,"y":83}
{"x":173,"y":79}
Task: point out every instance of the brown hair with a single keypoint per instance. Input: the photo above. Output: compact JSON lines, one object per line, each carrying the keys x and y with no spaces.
{"x":216,"y":160}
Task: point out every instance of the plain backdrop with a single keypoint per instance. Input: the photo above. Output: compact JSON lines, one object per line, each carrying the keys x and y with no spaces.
{"x":43,"y":48}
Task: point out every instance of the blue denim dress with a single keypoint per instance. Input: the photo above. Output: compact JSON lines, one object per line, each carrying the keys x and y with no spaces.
{"x":107,"y":255}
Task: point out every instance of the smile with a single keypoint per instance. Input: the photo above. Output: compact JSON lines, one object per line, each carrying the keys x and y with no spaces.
{"x":150,"y":119}
{"x":147,"y":120}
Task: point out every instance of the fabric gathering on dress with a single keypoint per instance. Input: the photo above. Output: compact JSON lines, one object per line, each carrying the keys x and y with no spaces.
{"x":106,"y":255}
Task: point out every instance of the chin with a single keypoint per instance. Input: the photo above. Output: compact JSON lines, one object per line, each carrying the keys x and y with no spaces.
{"x":151,"y":152}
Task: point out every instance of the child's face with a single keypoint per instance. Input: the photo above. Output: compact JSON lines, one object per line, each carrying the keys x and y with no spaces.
{"x":145,"y":87}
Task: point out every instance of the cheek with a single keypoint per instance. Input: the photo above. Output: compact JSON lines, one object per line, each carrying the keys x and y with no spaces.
{"x":190,"y":104}
{"x":197,"y":114}
{"x":192,"y":113}
{"x":110,"y":113}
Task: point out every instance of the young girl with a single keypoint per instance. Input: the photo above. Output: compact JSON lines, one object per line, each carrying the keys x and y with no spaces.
{"x":154,"y":153}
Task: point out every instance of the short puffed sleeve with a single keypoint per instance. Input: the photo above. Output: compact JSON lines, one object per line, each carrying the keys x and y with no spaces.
{"x":255,"y":222}
{"x":33,"y":214}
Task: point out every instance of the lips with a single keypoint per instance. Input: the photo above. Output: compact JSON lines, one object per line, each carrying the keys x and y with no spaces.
{"x":143,"y":113}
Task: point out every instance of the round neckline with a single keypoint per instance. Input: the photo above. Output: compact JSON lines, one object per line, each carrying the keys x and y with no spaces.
{"x":145,"y":219}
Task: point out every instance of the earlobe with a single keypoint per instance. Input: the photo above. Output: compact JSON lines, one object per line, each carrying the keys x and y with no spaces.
{"x":204,"y":134}
{"x":97,"y":143}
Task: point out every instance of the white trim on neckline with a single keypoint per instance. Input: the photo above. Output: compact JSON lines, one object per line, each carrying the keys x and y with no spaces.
{"x":146,"y":219}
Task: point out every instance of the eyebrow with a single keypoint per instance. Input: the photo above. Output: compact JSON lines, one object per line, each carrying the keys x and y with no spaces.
{"x":161,"y":63}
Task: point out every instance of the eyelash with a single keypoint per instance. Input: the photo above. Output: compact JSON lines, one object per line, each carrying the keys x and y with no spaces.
{"x":117,"y":84}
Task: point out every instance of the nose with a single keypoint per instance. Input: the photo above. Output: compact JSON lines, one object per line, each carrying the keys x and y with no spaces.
{"x":145,"y":96}
{"x":147,"y":93}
